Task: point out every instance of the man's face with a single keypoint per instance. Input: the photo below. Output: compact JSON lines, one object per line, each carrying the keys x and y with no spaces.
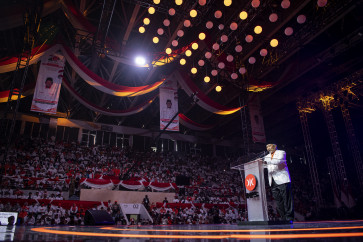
{"x":168,"y":104}
{"x":271,"y":148}
{"x":48,"y":84}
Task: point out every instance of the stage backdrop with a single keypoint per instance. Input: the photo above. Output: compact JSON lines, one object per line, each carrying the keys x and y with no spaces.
{"x":169,"y":104}
{"x":258,"y":129}
{"x":49,"y":82}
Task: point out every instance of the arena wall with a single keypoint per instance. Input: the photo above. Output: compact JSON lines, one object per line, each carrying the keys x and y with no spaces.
{"x":102,"y":195}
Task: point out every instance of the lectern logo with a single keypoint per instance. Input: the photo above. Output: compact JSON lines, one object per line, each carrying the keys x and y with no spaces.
{"x":250,"y":182}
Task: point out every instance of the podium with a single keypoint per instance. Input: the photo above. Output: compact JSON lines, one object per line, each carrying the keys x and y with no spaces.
{"x":254,"y":182}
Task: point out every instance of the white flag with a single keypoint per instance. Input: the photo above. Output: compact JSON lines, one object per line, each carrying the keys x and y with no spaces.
{"x":169,"y":105}
{"x":49,"y":82}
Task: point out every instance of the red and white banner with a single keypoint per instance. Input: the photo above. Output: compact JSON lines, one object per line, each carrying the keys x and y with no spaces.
{"x":49,"y":82}
{"x":169,"y":105}
{"x":258,"y":129}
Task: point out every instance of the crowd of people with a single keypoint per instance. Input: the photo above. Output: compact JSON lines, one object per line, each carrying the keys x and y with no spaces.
{"x":50,"y":168}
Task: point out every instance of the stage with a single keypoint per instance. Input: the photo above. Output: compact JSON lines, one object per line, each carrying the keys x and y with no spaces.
{"x":299,"y":231}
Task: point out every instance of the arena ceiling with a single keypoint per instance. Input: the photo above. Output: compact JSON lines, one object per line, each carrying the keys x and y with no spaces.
{"x":317,"y":46}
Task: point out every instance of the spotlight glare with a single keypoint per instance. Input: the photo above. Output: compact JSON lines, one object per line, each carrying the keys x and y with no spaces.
{"x":140,"y":61}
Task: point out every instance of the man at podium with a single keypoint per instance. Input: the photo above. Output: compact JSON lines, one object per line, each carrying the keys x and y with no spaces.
{"x":279,"y":180}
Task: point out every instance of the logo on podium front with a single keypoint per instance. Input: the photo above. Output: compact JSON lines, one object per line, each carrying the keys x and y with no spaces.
{"x":250,"y":182}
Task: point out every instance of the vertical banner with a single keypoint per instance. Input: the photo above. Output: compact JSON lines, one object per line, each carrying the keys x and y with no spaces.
{"x":169,"y":105}
{"x":258,"y":129}
{"x":49,"y":81}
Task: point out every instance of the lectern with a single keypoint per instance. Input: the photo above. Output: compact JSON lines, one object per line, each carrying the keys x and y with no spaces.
{"x":254,"y":182}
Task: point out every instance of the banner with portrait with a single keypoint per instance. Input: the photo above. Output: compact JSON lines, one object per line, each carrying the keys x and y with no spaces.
{"x":49,"y":82}
{"x":169,"y":105}
{"x":257,"y":126}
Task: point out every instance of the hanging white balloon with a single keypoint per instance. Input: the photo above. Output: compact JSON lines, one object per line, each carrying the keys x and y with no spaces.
{"x":229,"y":58}
{"x":215,"y":46}
{"x":187,"y":23}
{"x":160,"y":31}
{"x":249,"y":38}
{"x":174,"y":43}
{"x":242,"y":70}
{"x":224,"y":38}
{"x":172,"y":12}
{"x":234,"y":76}
{"x":252,"y":60}
{"x":301,"y":19}
{"x":208,"y":55}
{"x":285,"y":4}
{"x":255,"y":3}
{"x":273,"y":17}
{"x":166,"y":22}
{"x":209,"y":24}
{"x":180,"y":33}
{"x":202,"y":2}
{"x":263,"y":52}
{"x":238,"y":48}
{"x":289,"y":31}
{"x":233,"y":26}
{"x":221,"y":65}
{"x":322,"y":3}
{"x":218,"y":14}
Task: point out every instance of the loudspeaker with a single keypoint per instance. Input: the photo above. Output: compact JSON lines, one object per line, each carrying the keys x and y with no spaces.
{"x":182,"y":180}
{"x":98,"y":217}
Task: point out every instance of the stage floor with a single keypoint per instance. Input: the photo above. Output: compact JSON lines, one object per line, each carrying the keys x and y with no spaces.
{"x":299,"y":231}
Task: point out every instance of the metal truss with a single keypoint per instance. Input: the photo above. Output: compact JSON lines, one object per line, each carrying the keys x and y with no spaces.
{"x":31,"y":24}
{"x":336,"y":148}
{"x":311,"y":159}
{"x":354,"y":145}
{"x":333,"y":176}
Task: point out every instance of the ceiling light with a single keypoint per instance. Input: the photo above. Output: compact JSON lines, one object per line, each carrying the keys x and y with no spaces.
{"x":140,"y":61}
{"x":146,"y":21}
{"x":151,"y":10}
{"x":168,"y":51}
{"x":243,"y":15}
{"x":142,"y":30}
{"x":274,"y":42}
{"x":258,"y":29}
{"x":193,"y":13}
{"x":201,"y":36}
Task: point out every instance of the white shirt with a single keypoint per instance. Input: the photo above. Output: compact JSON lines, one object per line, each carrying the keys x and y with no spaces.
{"x":277,"y":168}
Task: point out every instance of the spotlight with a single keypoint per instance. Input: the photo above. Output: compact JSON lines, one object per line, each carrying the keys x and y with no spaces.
{"x":140,"y":61}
